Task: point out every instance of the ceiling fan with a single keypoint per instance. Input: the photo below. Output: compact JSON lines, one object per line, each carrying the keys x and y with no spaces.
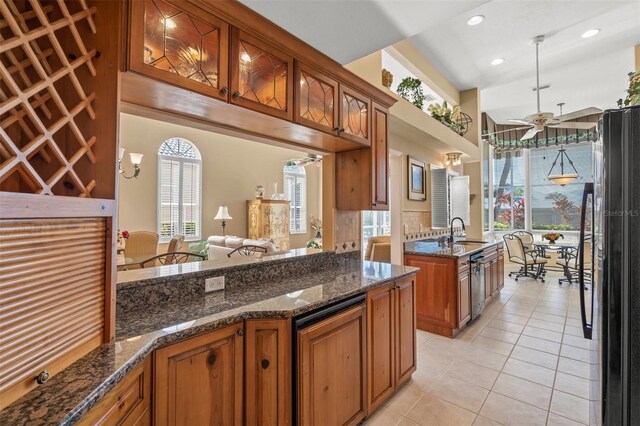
{"x":306,"y":161}
{"x":540,"y":120}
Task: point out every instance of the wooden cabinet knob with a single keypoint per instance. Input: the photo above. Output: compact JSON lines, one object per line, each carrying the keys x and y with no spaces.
{"x":42,"y":377}
{"x":236,"y":94}
{"x":265,"y":364}
{"x":240,"y":332}
{"x":224,"y":90}
{"x":211,"y":359}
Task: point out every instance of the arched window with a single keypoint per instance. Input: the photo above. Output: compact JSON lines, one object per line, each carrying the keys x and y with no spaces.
{"x":295,"y":187}
{"x":179,"y":190}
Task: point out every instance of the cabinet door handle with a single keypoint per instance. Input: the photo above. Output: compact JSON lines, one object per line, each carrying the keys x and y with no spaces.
{"x":339,"y":129}
{"x":240,"y":332}
{"x":265,"y":364}
{"x":42,"y":377}
{"x":211,"y":359}
{"x":224,"y":90}
{"x":236,"y":94}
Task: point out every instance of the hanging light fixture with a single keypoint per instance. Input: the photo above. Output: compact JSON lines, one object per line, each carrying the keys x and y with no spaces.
{"x":453,"y":159}
{"x":563,"y":178}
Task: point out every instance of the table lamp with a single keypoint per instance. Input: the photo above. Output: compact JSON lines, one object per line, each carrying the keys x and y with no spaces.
{"x":223,"y":215}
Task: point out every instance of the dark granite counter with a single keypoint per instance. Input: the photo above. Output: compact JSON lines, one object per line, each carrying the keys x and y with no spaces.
{"x":167,"y":319}
{"x":455,"y":250}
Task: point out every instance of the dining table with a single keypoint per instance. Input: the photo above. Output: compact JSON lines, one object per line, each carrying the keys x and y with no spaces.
{"x":561,"y":247}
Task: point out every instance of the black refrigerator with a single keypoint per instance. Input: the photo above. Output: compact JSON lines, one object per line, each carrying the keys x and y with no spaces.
{"x":610,"y":292}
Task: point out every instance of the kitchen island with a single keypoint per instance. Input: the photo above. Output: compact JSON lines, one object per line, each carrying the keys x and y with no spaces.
{"x":234,"y":346}
{"x":444,"y":281}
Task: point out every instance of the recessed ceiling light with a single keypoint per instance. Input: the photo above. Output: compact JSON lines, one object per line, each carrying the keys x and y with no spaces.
{"x":475,"y":20}
{"x":497,"y":61}
{"x":590,"y":33}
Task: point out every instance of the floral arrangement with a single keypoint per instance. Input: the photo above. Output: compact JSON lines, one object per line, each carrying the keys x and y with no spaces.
{"x":445,"y":115}
{"x":122,"y":235}
{"x":633,"y":92}
{"x":552,"y":236}
{"x":316,"y":225}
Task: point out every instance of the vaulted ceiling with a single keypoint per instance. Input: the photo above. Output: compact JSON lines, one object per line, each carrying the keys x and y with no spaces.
{"x":582,"y":72}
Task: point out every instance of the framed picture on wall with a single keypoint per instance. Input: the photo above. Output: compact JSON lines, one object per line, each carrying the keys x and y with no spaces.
{"x":417,"y":179}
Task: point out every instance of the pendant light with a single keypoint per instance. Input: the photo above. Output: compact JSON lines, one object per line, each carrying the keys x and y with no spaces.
{"x":563,"y":178}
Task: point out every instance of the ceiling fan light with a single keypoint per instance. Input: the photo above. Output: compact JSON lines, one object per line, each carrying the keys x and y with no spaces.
{"x":475,"y":20}
{"x":497,"y":61}
{"x":590,"y":33}
{"x":564,"y":179}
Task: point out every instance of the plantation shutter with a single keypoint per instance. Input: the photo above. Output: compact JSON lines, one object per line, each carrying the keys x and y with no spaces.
{"x":300,"y":204}
{"x":169,"y":214}
{"x":191,"y":200}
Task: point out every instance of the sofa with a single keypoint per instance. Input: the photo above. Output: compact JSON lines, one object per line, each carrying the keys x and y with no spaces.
{"x":219,"y":246}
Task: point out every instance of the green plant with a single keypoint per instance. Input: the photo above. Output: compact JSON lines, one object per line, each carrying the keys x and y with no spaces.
{"x":500,"y":225}
{"x":633,"y":92}
{"x":200,"y":248}
{"x":314,"y":244}
{"x":554,"y":227}
{"x":410,"y":88}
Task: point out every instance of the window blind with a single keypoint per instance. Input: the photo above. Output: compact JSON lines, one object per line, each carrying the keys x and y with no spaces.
{"x":296,"y":190}
{"x":169,"y":198}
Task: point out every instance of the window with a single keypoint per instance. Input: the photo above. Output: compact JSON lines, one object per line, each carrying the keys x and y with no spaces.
{"x":553,"y":206}
{"x":295,"y":186}
{"x":375,"y":223}
{"x":508,"y":193}
{"x":179,"y":190}
{"x":486,"y":158}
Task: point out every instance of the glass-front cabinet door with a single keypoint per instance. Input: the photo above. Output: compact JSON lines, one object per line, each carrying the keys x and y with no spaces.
{"x":180,"y":44}
{"x":261,"y":76}
{"x":316,"y":99}
{"x":355,"y":116}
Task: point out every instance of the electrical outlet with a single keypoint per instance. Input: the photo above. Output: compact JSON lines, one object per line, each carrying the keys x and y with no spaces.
{"x":214,"y":284}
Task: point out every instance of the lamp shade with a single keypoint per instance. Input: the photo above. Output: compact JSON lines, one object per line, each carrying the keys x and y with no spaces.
{"x":563,"y":179}
{"x":136,"y":158}
{"x":223,"y":213}
{"x":121,"y":154}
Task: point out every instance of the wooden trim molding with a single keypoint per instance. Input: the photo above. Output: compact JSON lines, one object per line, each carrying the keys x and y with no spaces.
{"x":16,"y":205}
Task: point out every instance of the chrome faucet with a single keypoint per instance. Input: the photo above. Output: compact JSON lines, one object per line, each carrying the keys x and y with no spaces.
{"x":453,"y":220}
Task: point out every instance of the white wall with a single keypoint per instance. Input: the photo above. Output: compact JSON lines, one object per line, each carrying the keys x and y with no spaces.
{"x":231,"y":169}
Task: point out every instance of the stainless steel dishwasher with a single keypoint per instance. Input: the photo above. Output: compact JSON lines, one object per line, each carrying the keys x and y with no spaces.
{"x":477,"y":285}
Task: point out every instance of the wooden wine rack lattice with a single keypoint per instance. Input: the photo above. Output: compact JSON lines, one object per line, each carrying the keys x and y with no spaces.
{"x":46,"y":76}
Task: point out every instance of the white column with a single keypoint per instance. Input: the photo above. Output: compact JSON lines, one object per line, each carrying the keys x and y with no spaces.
{"x":527,"y":191}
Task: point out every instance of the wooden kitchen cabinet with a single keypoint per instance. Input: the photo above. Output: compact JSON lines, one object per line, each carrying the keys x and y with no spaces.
{"x":268,"y":366}
{"x":500,"y":270}
{"x":200,"y":380}
{"x":381,"y":341}
{"x":443,"y":293}
{"x":128,"y":403}
{"x":355,"y":116}
{"x":180,"y":44}
{"x":363,"y":175}
{"x":488,"y":280}
{"x":315,"y":99}
{"x":332,"y":370}
{"x":405,"y":327}
{"x":261,"y":76}
{"x":464,"y":297}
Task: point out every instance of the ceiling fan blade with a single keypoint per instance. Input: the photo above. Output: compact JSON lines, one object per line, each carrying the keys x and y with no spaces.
{"x":580,"y":113}
{"x":518,"y":121}
{"x":508,"y":130}
{"x":531,"y":133}
{"x":574,"y":125}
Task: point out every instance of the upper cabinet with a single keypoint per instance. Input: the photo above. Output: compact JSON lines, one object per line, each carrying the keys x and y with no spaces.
{"x":261,"y":76}
{"x":182,"y":45}
{"x":316,"y":99}
{"x":355,"y":116}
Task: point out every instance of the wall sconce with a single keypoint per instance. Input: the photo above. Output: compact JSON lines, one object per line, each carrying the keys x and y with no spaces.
{"x":136,"y":159}
{"x":453,"y":159}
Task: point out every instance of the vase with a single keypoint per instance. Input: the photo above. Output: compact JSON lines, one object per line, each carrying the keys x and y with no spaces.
{"x":318,"y":235}
{"x":121,"y":243}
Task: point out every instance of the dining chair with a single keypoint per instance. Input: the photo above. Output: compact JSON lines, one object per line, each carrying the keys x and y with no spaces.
{"x":517,"y":254}
{"x":171,"y":258}
{"x":141,"y":245}
{"x":571,"y":262}
{"x":248,"y":250}
{"x":527,"y":240}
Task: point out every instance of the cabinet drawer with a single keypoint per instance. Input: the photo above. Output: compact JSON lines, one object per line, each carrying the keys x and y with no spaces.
{"x":463,"y":263}
{"x":126,"y":403}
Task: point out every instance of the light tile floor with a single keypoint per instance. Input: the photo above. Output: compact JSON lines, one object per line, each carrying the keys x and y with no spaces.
{"x":523,"y":362}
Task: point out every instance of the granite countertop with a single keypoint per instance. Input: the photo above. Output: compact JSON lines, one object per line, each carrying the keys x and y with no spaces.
{"x":68,"y":395}
{"x":455,"y":250}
